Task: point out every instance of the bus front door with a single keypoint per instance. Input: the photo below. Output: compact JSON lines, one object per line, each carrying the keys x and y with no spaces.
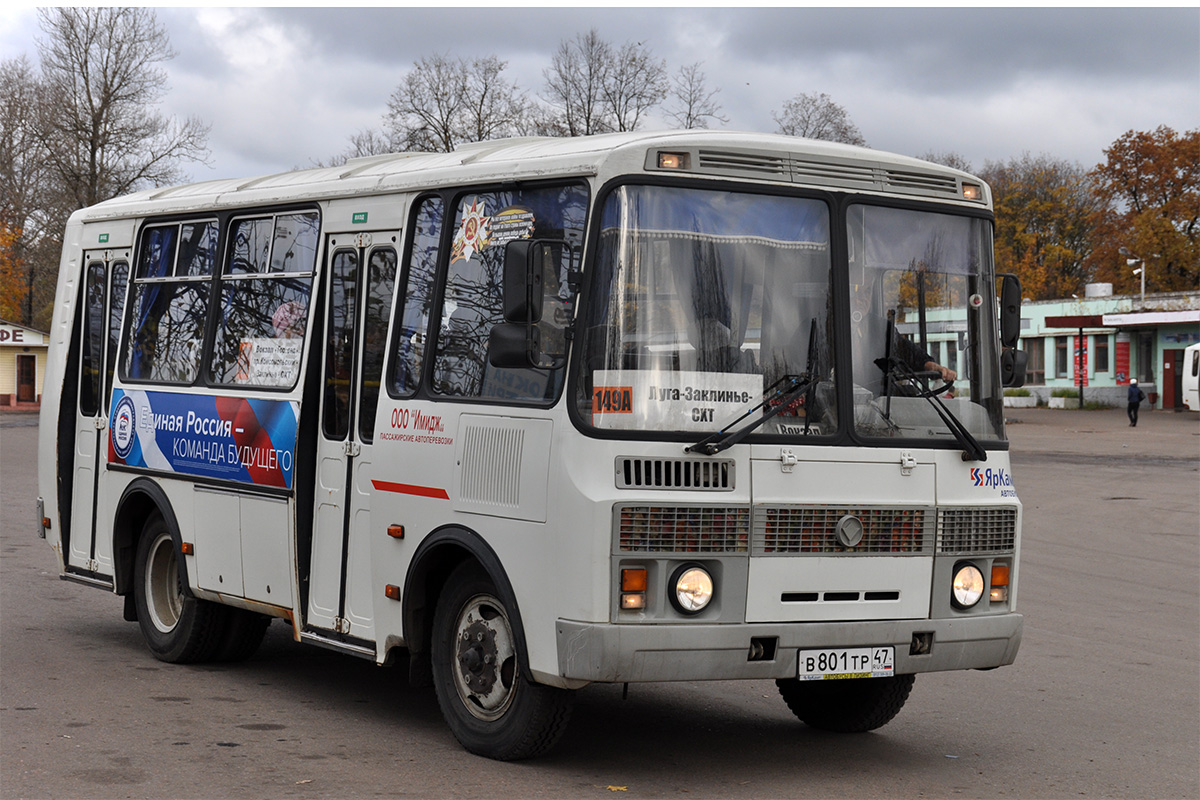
{"x":101,"y":303}
{"x":357,"y":307}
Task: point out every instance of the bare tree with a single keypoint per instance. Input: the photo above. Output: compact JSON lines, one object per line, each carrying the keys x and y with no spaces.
{"x":591,"y":87}
{"x":816,"y":116}
{"x":695,"y":104}
{"x":443,"y":102}
{"x":636,"y":82}
{"x":947,"y":159}
{"x":575,"y":83}
{"x":100,"y":68}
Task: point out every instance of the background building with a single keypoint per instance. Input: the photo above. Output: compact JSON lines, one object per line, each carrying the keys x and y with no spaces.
{"x":1123,"y":337}
{"x":22,"y":363}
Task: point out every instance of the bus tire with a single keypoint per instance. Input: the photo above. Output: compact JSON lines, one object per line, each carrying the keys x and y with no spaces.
{"x":244,"y":632}
{"x":854,"y":705}
{"x":490,"y":707}
{"x":177,"y":627}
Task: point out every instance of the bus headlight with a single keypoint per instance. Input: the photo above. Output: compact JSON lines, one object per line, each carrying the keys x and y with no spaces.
{"x":691,"y":589}
{"x":968,"y":585}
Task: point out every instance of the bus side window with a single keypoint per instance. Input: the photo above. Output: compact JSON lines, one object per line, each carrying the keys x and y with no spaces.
{"x":264,"y":300}
{"x":168,"y":304}
{"x":412,"y":329}
{"x":473,"y":304}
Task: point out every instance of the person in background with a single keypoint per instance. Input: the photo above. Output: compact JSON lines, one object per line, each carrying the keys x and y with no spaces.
{"x":1136,"y":396}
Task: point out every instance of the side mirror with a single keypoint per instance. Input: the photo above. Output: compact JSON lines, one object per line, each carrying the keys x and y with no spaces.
{"x":1012,"y":367}
{"x":1010,"y":310}
{"x":524,"y":272}
{"x":514,"y":346}
{"x":1012,"y":359}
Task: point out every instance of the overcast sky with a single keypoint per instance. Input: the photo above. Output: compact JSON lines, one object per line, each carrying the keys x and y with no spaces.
{"x":284,"y":87}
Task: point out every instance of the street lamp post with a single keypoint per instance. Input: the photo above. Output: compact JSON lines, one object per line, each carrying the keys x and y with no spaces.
{"x":1130,"y":260}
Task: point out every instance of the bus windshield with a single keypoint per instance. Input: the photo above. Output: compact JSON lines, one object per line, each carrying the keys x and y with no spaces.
{"x":707,"y":303}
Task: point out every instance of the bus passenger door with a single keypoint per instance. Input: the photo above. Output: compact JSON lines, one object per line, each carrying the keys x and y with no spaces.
{"x":358,"y":307}
{"x":101,"y":304}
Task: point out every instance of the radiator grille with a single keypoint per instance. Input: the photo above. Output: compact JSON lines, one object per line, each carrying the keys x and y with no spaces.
{"x":683,"y":529}
{"x":812,"y":529}
{"x":976,"y":530}
{"x":675,"y":473}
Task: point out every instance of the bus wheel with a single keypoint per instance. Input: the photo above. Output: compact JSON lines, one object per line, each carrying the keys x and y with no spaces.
{"x":490,"y":708}
{"x":177,"y":628}
{"x":853,"y":705}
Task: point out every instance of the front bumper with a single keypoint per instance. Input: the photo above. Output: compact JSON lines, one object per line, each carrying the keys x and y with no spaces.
{"x":629,"y":653}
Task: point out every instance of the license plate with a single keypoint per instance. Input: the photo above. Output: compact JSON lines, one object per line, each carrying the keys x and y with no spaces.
{"x":853,"y":662}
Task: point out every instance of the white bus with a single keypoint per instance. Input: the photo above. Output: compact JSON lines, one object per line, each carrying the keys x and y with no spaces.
{"x":546,"y":412}
{"x":1191,"y":377}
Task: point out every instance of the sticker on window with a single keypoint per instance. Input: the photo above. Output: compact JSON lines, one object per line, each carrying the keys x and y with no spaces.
{"x":477,"y":231}
{"x":671,"y":401}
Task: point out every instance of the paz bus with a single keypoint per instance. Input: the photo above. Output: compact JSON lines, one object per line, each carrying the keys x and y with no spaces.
{"x":540,"y":413}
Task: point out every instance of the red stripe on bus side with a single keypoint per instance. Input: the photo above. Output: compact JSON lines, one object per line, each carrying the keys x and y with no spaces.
{"x":408,"y":488}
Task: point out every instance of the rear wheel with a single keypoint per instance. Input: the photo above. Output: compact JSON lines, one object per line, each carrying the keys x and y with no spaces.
{"x":177,"y":628}
{"x":491,"y":709}
{"x":853,"y":705}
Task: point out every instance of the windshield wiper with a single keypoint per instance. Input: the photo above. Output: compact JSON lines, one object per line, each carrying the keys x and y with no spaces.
{"x":783,"y":396}
{"x":894,"y":368}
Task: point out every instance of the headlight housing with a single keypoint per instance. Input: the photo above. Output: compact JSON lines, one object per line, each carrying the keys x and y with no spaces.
{"x":968,"y":586}
{"x":691,"y":589}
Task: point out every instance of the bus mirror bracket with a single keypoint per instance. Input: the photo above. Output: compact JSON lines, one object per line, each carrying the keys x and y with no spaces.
{"x":1012,"y":358}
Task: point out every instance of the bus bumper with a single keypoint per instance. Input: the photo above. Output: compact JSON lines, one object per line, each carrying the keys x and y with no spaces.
{"x":629,"y":653}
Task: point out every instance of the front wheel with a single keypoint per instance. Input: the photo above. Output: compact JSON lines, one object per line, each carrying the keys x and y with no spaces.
{"x":177,"y":628}
{"x":490,"y":707}
{"x":853,"y":705}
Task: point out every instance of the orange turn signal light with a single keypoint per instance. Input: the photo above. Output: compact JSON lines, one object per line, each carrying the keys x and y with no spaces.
{"x":999,"y":574}
{"x":391,"y":591}
{"x":395,"y":531}
{"x":633,"y":580}
{"x":188,"y":548}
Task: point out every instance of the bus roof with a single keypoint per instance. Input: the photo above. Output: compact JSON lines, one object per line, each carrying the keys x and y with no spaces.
{"x":753,"y":156}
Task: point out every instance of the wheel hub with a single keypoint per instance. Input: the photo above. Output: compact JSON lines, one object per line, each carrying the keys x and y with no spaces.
{"x":477,"y":656}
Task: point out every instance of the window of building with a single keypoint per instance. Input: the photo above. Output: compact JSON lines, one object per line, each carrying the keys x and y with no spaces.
{"x":1101,"y":360}
{"x":1062,"y":356}
{"x":1035,"y":363}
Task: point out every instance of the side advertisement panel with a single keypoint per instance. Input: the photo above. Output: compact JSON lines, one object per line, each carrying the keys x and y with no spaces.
{"x":228,"y":438}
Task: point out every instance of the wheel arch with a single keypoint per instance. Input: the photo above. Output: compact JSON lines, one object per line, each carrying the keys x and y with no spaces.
{"x":436,"y":557}
{"x":141,"y":499}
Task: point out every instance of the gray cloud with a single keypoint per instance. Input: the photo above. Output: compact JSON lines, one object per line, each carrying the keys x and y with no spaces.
{"x":285,"y":86}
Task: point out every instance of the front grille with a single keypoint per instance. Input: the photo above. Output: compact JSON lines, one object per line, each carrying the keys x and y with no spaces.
{"x":683,"y":529}
{"x":976,"y":530}
{"x":793,"y":530}
{"x":812,"y":530}
{"x":711,"y":475}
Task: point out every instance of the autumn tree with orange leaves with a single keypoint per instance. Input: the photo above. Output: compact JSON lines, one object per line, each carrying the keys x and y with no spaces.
{"x":1149,"y":186}
{"x":1045,"y":211}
